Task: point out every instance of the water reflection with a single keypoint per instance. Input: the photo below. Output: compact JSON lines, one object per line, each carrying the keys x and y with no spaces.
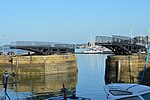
{"x":91,"y":76}
{"x":96,"y":62}
{"x":88,"y":82}
{"x":38,"y":87}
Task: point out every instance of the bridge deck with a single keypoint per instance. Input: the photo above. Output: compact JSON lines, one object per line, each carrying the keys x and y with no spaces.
{"x":43,"y":48}
{"x":123,"y":48}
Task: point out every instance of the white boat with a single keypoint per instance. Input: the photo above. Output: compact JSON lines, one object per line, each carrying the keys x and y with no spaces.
{"x":124,"y":91}
{"x":92,"y":51}
{"x":91,"y":48}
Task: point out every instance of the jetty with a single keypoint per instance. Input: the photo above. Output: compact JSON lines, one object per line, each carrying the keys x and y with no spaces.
{"x":127,"y":63}
{"x":46,"y":58}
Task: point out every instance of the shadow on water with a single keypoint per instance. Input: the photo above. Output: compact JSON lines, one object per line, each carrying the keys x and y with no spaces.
{"x":41,"y":87}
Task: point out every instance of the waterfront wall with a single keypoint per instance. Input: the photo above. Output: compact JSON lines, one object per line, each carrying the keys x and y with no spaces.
{"x":39,"y":65}
{"x":5,"y":64}
{"x":126,"y":68}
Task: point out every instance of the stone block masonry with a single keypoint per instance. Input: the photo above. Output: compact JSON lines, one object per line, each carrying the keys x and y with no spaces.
{"x":126,"y":68}
{"x":39,"y":65}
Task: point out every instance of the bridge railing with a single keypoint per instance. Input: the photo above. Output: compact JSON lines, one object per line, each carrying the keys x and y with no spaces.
{"x":113,"y":39}
{"x":41,"y":44}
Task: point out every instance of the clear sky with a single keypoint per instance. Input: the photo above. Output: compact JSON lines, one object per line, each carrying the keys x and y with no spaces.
{"x":71,"y":21}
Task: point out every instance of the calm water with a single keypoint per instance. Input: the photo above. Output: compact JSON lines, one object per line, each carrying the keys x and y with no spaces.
{"x":87,"y":82}
{"x":91,"y":76}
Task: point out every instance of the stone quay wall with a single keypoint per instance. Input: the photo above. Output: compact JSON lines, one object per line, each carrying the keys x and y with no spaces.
{"x":39,"y":65}
{"x":126,"y":69}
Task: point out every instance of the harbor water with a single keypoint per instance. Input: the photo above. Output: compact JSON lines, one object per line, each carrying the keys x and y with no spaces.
{"x":91,"y":76}
{"x":87,"y":82}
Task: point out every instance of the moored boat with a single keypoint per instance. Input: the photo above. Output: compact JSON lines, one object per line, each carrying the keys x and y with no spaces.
{"x":93,"y":51}
{"x":124,"y":91}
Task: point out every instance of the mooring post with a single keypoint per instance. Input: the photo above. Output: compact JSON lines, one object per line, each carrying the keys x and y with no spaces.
{"x":118,"y":68}
{"x":64,"y":92}
{"x":130,"y":70}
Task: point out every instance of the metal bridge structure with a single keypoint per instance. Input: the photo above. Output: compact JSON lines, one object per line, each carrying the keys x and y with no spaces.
{"x":43,"y":48}
{"x":119,"y":45}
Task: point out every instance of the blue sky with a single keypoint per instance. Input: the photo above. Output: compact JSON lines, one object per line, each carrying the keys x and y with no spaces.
{"x":71,"y":21}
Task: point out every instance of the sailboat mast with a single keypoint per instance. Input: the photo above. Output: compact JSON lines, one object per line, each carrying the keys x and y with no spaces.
{"x":148,"y":38}
{"x":131,"y":36}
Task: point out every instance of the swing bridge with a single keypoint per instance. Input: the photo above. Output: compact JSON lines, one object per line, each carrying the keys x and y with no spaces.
{"x":120,"y":45}
{"x":43,"y":48}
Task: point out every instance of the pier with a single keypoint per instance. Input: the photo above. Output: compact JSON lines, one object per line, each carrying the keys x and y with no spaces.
{"x":127,"y":63}
{"x":126,"y":69}
{"x":46,"y":58}
{"x":38,"y":65}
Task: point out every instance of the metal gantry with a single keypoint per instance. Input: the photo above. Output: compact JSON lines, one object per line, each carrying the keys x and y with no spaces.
{"x":43,"y":48}
{"x":120,"y":45}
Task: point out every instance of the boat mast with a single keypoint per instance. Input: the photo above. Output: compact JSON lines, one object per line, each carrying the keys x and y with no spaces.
{"x":148,"y":38}
{"x":131,"y":36}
